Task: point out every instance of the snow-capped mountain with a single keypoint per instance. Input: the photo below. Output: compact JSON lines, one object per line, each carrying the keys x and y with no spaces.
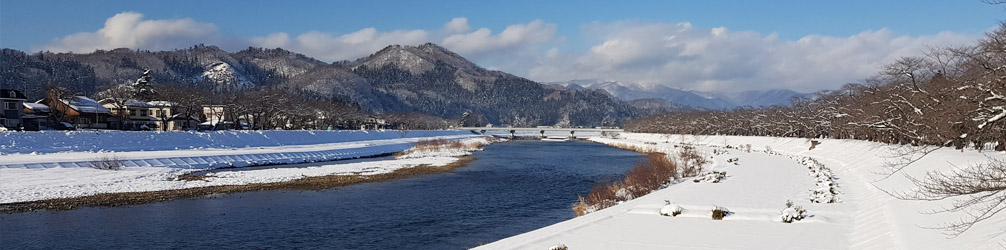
{"x":225,"y":77}
{"x":628,"y":91}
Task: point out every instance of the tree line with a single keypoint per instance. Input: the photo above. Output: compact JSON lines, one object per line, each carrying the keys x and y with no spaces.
{"x":949,"y":96}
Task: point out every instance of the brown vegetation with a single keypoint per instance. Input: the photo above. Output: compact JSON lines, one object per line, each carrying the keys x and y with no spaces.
{"x":649,"y":174}
{"x":106,"y":162}
{"x":443,"y":145}
{"x":720,"y":212}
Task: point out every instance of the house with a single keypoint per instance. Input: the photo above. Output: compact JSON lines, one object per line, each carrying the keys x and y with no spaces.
{"x":141,"y":115}
{"x":220,"y":117}
{"x":36,"y":117}
{"x":12,"y":101}
{"x":372,"y":122}
{"x":79,"y":111}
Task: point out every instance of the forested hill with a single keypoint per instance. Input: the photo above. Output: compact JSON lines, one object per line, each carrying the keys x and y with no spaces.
{"x":425,"y":78}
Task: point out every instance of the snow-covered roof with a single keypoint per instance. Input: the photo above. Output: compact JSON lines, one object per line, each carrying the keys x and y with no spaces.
{"x":36,"y":107}
{"x":160,"y":103}
{"x":137,"y":104}
{"x":86,"y":105}
{"x":132,"y":103}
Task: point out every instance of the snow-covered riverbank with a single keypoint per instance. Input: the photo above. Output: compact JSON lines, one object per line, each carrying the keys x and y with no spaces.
{"x":756,"y":188}
{"x":66,"y":174}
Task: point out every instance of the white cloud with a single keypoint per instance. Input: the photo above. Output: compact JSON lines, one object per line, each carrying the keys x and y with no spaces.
{"x":481,"y":43}
{"x":457,"y":25}
{"x":482,"y":40}
{"x":130,"y":30}
{"x":718,"y":59}
{"x":673,"y":54}
{"x":329,"y":47}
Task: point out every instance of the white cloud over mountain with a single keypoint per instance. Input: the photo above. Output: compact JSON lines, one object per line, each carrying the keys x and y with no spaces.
{"x":673,"y":54}
{"x":130,"y":30}
{"x":687,"y":57}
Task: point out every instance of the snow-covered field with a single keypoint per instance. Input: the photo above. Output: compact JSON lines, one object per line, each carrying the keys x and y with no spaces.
{"x":67,"y":173}
{"x":755,"y":191}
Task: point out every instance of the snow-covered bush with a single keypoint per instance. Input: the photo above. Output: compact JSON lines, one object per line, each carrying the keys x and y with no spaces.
{"x":826,"y":190}
{"x":691,"y":161}
{"x":713,"y":177}
{"x":792,"y":213}
{"x":106,"y":162}
{"x":559,"y":247}
{"x":671,"y":209}
{"x":720,"y":212}
{"x":769,"y":151}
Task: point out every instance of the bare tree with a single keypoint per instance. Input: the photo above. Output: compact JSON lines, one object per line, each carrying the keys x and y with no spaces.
{"x":979,"y":191}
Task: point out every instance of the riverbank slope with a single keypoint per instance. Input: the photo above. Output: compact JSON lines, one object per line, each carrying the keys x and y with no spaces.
{"x":49,"y":177}
{"x":757,"y":186}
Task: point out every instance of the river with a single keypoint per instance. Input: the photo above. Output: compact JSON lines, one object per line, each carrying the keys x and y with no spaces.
{"x":512,"y":188}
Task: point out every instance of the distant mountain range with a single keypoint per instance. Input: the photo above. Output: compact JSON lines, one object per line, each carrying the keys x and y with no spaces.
{"x":653,"y":94}
{"x":425,"y":78}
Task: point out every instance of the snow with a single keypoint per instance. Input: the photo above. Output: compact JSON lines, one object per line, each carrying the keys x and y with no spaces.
{"x":86,"y":105}
{"x":756,"y":190}
{"x":39,"y":176}
{"x":36,"y":107}
{"x":223,"y":73}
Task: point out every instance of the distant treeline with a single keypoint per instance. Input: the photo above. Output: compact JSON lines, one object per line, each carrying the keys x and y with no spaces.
{"x":953,"y":96}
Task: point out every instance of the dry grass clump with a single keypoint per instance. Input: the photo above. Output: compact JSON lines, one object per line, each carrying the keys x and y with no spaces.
{"x":720,"y":212}
{"x":650,"y":174}
{"x":106,"y":162}
{"x":435,"y":145}
{"x":634,"y":148}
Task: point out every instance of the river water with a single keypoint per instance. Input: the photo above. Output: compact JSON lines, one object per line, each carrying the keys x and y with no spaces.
{"x":512,"y":188}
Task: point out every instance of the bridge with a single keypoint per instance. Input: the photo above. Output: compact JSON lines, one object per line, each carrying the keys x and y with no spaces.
{"x":542,"y":130}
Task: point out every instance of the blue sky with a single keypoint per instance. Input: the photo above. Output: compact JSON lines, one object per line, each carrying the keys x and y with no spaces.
{"x":545,"y":33}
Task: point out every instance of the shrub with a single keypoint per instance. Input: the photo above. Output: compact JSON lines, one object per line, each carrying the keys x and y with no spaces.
{"x":713,"y":177}
{"x":650,"y":173}
{"x":559,"y":247}
{"x":720,"y":212}
{"x":581,"y":207}
{"x":691,"y":160}
{"x":106,"y":162}
{"x":792,"y":213}
{"x":670,"y":209}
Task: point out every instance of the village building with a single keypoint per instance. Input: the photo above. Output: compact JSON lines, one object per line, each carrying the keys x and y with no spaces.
{"x":36,"y":117}
{"x":141,"y":115}
{"x":12,"y":101}
{"x":78,"y":112}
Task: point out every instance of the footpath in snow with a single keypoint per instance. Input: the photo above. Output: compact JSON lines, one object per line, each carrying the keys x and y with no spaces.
{"x":151,"y":161}
{"x":757,"y":185}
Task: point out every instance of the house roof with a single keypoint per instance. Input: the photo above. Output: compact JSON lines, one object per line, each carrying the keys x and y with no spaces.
{"x":36,"y":107}
{"x":132,"y":103}
{"x":12,"y":94}
{"x":86,"y":105}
